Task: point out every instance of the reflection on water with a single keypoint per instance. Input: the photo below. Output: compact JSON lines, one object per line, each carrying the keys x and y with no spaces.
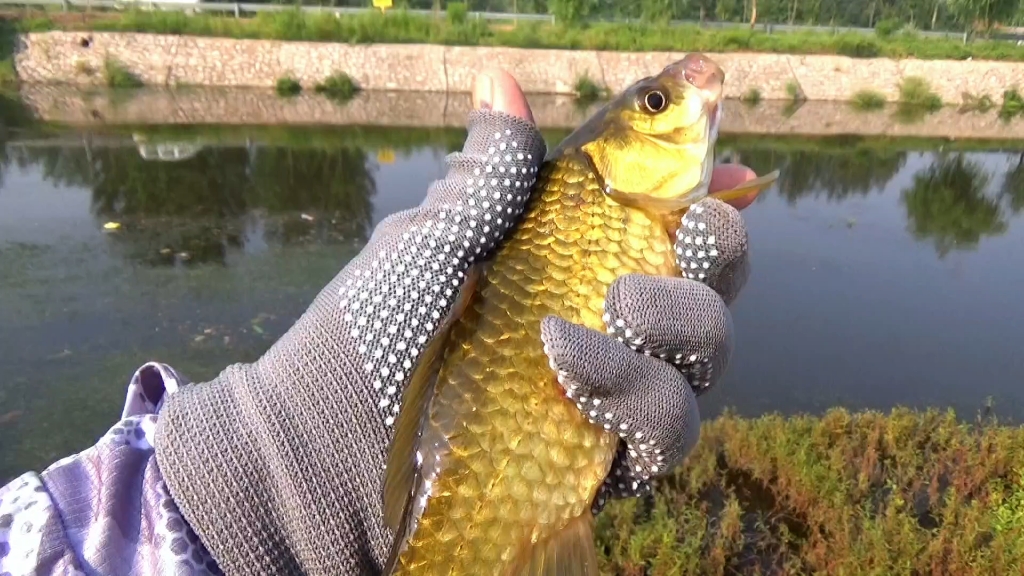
{"x":884,"y":271}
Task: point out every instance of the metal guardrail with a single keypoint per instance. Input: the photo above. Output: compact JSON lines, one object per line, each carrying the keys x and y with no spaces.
{"x":239,"y":9}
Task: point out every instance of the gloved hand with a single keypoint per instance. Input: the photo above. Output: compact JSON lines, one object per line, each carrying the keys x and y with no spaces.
{"x":277,"y":465}
{"x":668,"y":341}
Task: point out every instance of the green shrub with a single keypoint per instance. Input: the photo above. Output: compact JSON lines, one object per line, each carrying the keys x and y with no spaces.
{"x":917,"y":100}
{"x":457,"y":13}
{"x":287,"y":86}
{"x":857,"y":46}
{"x":868,"y":100}
{"x":845,"y":493}
{"x":794,"y":91}
{"x":588,"y":90}
{"x":971,"y":103}
{"x":117,"y":75}
{"x":8,"y":75}
{"x":752,"y":96}
{"x":1013,"y":104}
{"x":887,"y":27}
{"x":338,"y":86}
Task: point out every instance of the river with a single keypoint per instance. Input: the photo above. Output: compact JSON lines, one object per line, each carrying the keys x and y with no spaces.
{"x":884,"y":271}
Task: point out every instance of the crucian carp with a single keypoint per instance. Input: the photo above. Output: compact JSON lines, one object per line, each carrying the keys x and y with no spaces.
{"x":493,"y":469}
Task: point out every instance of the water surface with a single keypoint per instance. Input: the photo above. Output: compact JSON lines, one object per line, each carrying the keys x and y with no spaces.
{"x":884,"y":272}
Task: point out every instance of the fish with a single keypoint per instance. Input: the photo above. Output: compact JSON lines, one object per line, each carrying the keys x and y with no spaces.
{"x":492,"y":468}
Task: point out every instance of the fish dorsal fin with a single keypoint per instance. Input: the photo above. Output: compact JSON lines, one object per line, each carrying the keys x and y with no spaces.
{"x":401,"y":472}
{"x":570,"y":552}
{"x":748,"y":187}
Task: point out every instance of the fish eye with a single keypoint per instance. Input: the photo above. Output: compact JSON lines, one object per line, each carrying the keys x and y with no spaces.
{"x":654,"y":101}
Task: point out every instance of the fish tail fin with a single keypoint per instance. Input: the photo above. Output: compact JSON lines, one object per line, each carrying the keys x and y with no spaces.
{"x":570,"y":552}
{"x":746,"y":188}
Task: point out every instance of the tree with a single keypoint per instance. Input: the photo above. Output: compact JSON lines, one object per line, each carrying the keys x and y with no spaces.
{"x":982,"y":14}
{"x":568,"y":12}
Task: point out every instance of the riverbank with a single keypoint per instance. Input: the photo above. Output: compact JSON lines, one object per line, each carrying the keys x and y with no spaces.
{"x":171,"y":60}
{"x":846,"y":493}
{"x":219,"y":106}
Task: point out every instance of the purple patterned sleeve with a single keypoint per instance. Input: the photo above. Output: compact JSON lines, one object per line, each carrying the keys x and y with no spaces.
{"x":105,"y":510}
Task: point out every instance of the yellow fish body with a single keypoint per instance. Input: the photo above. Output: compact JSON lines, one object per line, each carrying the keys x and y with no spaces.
{"x":493,"y":469}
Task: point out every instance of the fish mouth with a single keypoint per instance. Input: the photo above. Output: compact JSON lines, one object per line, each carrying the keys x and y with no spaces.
{"x":708,"y":78}
{"x":704,"y":74}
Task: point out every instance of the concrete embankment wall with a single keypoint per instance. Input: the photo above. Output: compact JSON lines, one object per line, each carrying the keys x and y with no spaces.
{"x":78,"y":58}
{"x":255,"y":106}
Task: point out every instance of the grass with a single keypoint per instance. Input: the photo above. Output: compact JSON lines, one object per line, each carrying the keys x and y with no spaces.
{"x":84,"y":68}
{"x":752,"y":96}
{"x":794,"y":91}
{"x":1013,"y":104}
{"x":8,"y":75}
{"x":588,"y":91}
{"x":867,"y":493}
{"x":915,"y":91}
{"x":973,"y":103}
{"x":401,"y":27}
{"x":339,"y":86}
{"x":867,"y":100}
{"x":917,"y":100}
{"x":8,"y":40}
{"x":116,"y":75}
{"x":287,"y":86}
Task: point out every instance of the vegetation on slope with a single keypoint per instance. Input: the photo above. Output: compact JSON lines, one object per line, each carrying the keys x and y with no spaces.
{"x":402,"y":27}
{"x":867,"y":493}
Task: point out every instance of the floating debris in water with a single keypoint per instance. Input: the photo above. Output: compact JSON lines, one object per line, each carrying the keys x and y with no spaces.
{"x":10,"y":417}
{"x":112,"y":226}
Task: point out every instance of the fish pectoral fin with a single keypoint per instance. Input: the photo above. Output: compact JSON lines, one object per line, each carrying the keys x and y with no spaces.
{"x":401,"y":471}
{"x":570,"y":552}
{"x":747,"y":188}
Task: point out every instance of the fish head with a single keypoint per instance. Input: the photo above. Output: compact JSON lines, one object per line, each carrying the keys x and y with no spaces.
{"x":653,"y":145}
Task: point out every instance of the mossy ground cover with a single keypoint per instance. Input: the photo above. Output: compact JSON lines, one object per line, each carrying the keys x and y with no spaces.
{"x":401,"y":27}
{"x":845,"y":493}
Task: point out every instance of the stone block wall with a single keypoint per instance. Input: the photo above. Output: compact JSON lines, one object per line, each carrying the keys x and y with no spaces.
{"x":78,"y":58}
{"x":260,"y":106}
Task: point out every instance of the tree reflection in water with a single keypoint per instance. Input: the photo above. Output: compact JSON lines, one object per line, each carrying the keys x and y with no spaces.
{"x":946,"y":203}
{"x":1013,"y":186}
{"x":835,"y":169}
{"x":197,"y":209}
{"x":307,"y":185}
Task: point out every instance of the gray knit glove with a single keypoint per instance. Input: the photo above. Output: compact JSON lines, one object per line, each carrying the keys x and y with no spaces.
{"x":278,"y":465}
{"x":668,"y":340}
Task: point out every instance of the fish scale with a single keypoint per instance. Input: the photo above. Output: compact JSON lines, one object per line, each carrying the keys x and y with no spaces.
{"x":520,"y":461}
